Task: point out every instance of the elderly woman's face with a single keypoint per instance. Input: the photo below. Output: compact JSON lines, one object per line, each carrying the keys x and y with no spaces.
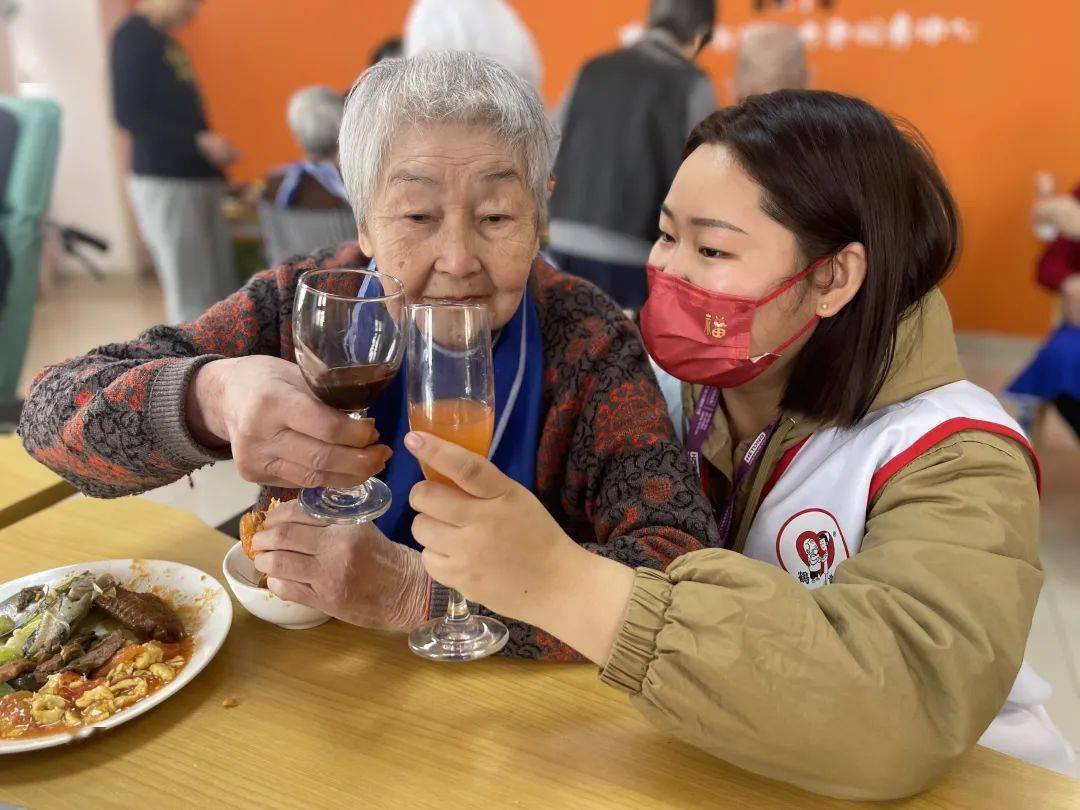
{"x":454,"y":219}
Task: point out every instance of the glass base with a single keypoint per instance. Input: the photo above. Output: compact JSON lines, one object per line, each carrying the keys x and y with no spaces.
{"x":465,"y":640}
{"x":362,"y":505}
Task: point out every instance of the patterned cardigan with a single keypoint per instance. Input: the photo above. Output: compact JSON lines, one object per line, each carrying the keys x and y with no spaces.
{"x":609,"y":468}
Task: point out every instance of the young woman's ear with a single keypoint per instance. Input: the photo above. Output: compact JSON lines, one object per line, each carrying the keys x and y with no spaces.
{"x":848,"y":268}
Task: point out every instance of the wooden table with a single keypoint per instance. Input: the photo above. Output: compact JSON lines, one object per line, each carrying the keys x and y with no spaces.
{"x":342,"y":717}
{"x":26,"y":487}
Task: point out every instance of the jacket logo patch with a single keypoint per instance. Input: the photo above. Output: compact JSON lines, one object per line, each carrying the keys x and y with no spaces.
{"x":810,"y":545}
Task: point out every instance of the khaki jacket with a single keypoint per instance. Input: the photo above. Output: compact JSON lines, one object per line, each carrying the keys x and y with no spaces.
{"x":870,"y":687}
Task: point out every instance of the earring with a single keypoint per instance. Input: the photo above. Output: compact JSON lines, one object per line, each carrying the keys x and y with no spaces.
{"x":824,"y":307}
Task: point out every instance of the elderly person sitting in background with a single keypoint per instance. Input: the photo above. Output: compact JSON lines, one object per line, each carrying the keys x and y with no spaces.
{"x":304,"y":205}
{"x":314,"y":116}
{"x":446,"y":159}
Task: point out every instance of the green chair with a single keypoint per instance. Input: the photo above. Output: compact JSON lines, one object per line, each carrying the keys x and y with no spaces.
{"x":23,"y":203}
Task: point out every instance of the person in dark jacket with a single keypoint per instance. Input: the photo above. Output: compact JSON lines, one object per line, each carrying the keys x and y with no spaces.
{"x":623,"y":125}
{"x":177,"y":178}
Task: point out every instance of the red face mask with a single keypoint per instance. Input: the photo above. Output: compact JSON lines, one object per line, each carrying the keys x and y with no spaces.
{"x":701,"y":336}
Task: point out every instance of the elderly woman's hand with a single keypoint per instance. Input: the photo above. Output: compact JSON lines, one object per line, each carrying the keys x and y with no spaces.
{"x":490,"y":538}
{"x":352,"y":572}
{"x":280,"y":433}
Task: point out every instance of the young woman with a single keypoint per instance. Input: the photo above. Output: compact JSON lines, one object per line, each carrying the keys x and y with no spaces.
{"x":867,"y":614}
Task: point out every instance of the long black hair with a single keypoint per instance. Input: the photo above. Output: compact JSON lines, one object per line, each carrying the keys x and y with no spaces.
{"x":836,"y":170}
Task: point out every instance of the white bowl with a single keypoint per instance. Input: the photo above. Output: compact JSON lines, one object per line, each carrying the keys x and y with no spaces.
{"x":241,"y":575}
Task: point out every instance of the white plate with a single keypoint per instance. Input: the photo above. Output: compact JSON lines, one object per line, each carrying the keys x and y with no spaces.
{"x":200,"y":600}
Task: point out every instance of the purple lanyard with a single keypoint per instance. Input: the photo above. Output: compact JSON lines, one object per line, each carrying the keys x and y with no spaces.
{"x":700,"y":423}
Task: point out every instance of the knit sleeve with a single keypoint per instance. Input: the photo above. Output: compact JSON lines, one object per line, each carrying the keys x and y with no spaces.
{"x":112,"y":421}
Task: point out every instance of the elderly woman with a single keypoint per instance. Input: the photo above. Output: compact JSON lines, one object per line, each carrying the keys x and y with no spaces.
{"x":314,"y":116}
{"x":304,"y":206}
{"x":446,"y":159}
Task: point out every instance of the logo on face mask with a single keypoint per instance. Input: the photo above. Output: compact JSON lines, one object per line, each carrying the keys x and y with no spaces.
{"x":715,"y":327}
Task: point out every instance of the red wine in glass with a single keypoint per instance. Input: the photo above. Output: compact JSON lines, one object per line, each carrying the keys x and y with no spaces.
{"x":348,"y":337}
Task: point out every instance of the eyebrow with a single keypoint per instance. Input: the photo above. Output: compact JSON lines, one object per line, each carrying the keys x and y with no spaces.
{"x":409,"y":177}
{"x":706,"y":222}
{"x":500,"y":175}
{"x":496,"y":176}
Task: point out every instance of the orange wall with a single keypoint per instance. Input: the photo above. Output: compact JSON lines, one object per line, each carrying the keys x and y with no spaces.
{"x":994,"y":110}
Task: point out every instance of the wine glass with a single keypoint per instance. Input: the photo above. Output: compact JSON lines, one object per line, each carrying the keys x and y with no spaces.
{"x":348,"y":337}
{"x":451,"y":390}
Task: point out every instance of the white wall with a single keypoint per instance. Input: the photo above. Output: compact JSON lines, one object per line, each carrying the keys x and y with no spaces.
{"x":60,"y":47}
{"x":7,"y":61}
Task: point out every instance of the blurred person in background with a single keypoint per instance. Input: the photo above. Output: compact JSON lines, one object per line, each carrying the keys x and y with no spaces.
{"x":314,"y":116}
{"x":771,"y":57}
{"x":623,"y":125}
{"x":1054,"y":374}
{"x":303,"y":206}
{"x":177,"y":182}
{"x":486,"y":27}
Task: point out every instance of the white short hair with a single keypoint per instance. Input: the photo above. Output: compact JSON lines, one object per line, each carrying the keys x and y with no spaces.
{"x":442,"y":87}
{"x":314,"y":116}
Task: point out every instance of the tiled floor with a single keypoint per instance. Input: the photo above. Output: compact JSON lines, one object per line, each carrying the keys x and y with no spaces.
{"x":79,"y":313}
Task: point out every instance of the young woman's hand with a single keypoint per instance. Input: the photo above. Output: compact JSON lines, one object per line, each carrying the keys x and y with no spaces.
{"x":492,"y":540}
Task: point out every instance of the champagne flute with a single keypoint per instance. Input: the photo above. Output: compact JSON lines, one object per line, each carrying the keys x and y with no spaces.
{"x":451,"y":389}
{"x":348,"y":338}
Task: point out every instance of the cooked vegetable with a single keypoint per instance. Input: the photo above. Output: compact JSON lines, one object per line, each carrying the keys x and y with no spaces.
{"x":12,"y":650}
{"x":18,"y":609}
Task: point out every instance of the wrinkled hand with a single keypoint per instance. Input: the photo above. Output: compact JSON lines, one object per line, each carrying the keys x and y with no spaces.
{"x":352,"y":572}
{"x":1062,"y":212}
{"x":488,"y":537}
{"x":216,"y":149}
{"x":280,"y":433}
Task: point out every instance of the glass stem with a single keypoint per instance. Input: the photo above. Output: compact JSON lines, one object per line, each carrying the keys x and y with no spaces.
{"x":364,"y":489}
{"x":457,"y":609}
{"x":347,"y":496}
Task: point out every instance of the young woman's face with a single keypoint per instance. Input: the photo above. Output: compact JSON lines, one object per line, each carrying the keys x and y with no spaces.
{"x":714,"y":234}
